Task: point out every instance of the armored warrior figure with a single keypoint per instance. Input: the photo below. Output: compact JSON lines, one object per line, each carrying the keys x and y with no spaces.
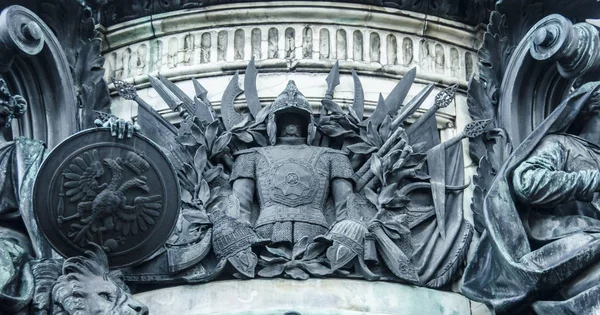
{"x":270,"y":193}
{"x":292,"y":178}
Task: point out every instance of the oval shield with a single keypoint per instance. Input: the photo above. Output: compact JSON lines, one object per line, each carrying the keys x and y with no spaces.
{"x":122,"y":194}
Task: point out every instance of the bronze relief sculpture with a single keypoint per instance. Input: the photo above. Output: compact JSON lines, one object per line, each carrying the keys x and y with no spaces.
{"x":121,"y":194}
{"x":536,"y":205}
{"x":19,"y":238}
{"x":542,"y":217}
{"x":276,"y":191}
{"x":80,"y":285}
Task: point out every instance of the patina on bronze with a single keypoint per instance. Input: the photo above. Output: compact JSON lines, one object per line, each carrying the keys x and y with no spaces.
{"x":122,"y":194}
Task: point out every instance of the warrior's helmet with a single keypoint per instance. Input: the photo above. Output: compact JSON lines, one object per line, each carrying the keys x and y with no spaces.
{"x":292,"y":102}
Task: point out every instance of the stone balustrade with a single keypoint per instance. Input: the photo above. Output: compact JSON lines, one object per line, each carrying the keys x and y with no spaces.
{"x":292,"y":36}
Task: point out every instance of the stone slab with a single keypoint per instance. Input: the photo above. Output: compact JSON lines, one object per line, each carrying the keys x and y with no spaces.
{"x":310,"y":297}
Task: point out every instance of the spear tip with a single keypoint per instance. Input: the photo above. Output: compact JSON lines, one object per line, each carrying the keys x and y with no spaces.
{"x":446,"y":96}
{"x":476,"y":128}
{"x":125,"y":90}
{"x":333,"y":78}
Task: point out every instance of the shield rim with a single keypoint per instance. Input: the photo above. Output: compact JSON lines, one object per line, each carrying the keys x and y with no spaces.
{"x":36,"y":196}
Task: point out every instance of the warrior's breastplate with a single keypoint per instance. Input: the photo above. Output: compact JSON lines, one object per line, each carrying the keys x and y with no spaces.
{"x":292,"y":183}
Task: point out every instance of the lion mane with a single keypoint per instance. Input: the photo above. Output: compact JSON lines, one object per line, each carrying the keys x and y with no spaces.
{"x":71,"y":293}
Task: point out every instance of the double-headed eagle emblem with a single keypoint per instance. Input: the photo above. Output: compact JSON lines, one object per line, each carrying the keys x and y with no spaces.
{"x":104,"y":206}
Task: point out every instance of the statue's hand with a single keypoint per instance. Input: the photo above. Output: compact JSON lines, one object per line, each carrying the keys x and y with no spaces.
{"x":119,"y":127}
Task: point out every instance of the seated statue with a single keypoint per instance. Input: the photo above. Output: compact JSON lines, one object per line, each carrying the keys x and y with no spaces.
{"x":543,"y":218}
{"x":19,"y":242}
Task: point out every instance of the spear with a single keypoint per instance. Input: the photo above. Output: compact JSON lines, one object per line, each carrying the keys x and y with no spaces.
{"x":154,"y":125}
{"x":472,"y":130}
{"x":410,"y":108}
{"x":442,"y":100}
{"x":205,"y":109}
{"x":174,"y":102}
{"x":333,"y":80}
{"x":128,"y":92}
{"x":393,"y":101}
{"x":201,"y":92}
{"x":363,"y":175}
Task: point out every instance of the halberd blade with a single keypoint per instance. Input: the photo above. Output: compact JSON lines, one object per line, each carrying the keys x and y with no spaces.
{"x":201,"y":92}
{"x":250,"y":89}
{"x":359,"y":97}
{"x":333,"y":80}
{"x":396,"y":97}
{"x":230,"y":116}
{"x":203,"y":111}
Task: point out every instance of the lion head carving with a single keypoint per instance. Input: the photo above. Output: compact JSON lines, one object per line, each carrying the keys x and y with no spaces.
{"x":86,"y":286}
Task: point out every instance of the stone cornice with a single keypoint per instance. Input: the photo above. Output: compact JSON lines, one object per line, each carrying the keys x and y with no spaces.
{"x":264,"y":13}
{"x":471,"y":12}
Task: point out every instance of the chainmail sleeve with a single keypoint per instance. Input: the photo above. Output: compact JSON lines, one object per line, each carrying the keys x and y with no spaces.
{"x":340,"y":174}
{"x":243,"y":182}
{"x":340,"y":166}
{"x":244,"y":166}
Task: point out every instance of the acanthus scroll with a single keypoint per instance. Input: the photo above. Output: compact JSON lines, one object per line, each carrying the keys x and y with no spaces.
{"x":20,"y":32}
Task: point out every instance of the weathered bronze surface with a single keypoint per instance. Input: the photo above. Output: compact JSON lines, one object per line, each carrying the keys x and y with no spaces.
{"x":536,"y":205}
{"x":277,"y":191}
{"x":121,"y":194}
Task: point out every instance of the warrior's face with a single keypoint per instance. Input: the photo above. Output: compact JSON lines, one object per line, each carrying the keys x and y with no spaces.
{"x":292,"y":124}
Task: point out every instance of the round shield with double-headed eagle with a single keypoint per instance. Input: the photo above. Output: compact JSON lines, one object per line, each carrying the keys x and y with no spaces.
{"x":122,"y":194}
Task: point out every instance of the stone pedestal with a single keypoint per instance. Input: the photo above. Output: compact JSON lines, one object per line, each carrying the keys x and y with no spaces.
{"x":310,"y":297}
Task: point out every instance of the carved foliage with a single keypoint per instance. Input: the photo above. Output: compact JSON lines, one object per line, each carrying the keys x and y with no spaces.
{"x":380,"y":214}
{"x":507,"y":25}
{"x":304,"y":259}
{"x":74,"y":27}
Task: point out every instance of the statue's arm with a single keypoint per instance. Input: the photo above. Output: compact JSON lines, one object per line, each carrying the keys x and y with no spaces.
{"x":243,"y":177}
{"x":341,"y":189}
{"x":341,"y":182}
{"x":243,"y":189}
{"x":541,"y":179}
